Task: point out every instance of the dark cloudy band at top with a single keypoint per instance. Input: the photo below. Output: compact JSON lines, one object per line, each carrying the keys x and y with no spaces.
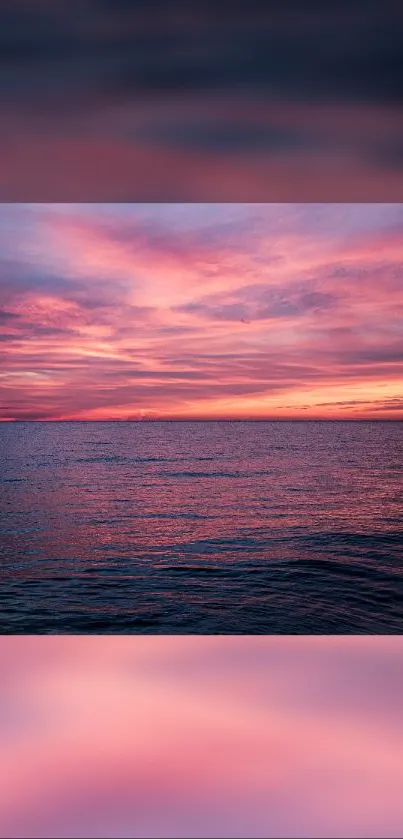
{"x":153,"y":101}
{"x":348,"y":51}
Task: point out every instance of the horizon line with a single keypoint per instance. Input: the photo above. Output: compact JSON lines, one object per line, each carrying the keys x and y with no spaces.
{"x":209,"y":419}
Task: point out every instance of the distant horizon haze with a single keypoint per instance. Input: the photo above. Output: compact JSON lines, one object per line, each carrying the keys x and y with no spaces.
{"x":212,"y":419}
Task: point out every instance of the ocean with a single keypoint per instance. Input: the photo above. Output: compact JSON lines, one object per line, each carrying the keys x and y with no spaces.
{"x":201,"y":527}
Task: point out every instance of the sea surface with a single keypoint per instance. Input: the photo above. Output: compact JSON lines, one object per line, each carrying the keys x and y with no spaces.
{"x":192,"y":527}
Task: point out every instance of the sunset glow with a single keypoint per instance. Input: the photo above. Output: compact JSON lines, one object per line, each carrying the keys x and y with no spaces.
{"x":152,"y":311}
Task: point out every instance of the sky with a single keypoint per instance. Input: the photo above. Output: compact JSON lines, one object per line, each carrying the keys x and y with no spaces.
{"x":110,"y":100}
{"x":203,"y":311}
{"x":201,"y":736}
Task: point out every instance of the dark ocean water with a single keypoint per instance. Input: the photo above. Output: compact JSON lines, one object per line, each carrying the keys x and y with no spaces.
{"x":201,"y":527}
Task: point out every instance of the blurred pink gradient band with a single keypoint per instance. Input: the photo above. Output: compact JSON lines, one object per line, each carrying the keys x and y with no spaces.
{"x":202,"y":736}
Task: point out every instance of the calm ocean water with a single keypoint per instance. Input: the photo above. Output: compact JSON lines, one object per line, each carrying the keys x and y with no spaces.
{"x":187,"y":527}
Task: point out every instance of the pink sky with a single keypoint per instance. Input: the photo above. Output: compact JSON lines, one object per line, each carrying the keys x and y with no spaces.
{"x":220,"y":737}
{"x":201,"y":311}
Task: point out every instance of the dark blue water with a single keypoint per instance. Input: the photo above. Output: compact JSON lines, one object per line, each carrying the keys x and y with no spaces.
{"x":201,"y":527}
